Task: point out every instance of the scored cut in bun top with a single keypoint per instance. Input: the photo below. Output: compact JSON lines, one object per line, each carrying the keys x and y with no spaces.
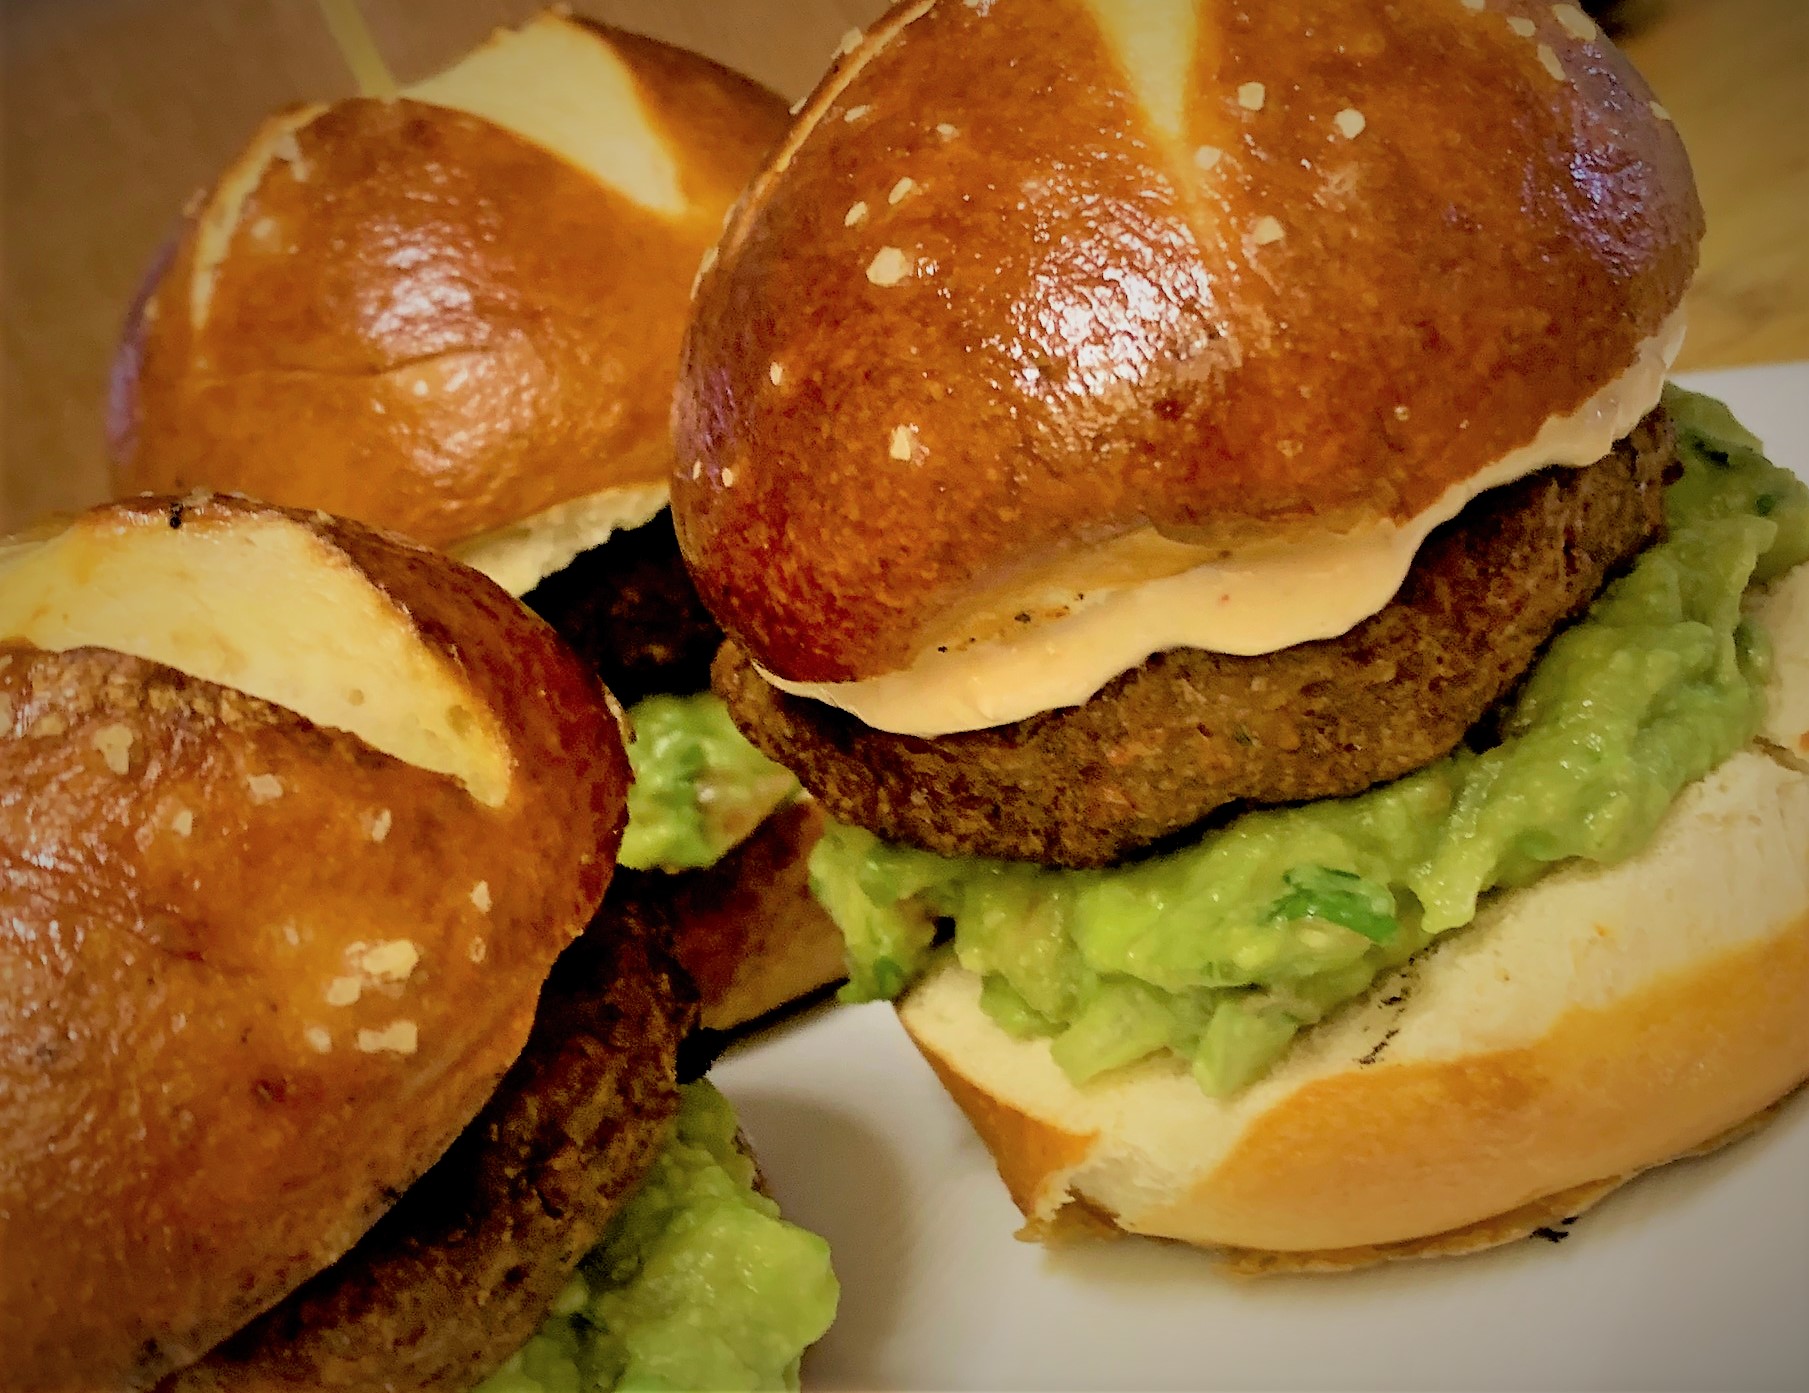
{"x":297,"y":816}
{"x":1028,"y":277}
{"x":406,"y":313}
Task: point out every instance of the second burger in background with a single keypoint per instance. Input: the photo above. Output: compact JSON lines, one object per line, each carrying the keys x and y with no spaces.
{"x":456,"y":312}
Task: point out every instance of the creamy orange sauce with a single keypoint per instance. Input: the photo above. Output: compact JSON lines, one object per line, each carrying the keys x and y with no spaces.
{"x":1249,"y":604}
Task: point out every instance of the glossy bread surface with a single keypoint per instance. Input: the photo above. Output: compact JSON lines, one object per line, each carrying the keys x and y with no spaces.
{"x":451,"y":327}
{"x":255,"y":973}
{"x":1026,"y":278}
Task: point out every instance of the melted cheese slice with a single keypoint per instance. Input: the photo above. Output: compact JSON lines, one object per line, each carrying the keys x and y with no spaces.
{"x":1250,"y":604}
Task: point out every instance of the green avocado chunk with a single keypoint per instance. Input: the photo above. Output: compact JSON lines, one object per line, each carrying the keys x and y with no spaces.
{"x":699,"y":1284}
{"x":1223,"y":950}
{"x":699,"y":787}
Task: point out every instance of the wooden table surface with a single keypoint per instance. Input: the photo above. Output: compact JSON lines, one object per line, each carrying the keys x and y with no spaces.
{"x":113,"y":112}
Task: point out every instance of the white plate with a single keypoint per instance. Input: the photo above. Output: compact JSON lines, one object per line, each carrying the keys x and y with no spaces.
{"x":1694,"y":1277}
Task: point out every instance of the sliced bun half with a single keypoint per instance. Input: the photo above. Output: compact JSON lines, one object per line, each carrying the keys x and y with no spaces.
{"x":1593,"y":1025}
{"x":747,"y":929}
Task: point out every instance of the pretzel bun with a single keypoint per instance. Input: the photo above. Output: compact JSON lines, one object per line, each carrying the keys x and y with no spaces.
{"x":296,"y":818}
{"x":454,"y":312}
{"x":1599,"y":1022}
{"x":1037,"y":292}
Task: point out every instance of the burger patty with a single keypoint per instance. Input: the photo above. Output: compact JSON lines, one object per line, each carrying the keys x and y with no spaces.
{"x":459,"y":1273}
{"x":629,"y":609}
{"x":1190,"y":732}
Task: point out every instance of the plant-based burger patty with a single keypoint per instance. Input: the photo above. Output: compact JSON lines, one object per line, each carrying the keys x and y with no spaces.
{"x":1189,"y":731}
{"x":628,"y":607}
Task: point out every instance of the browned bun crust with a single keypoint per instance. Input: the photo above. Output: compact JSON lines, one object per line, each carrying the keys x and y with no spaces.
{"x":1598,"y":1023}
{"x":747,"y":929}
{"x":258,"y":973}
{"x":425,"y":321}
{"x":459,"y":1275}
{"x":1188,"y":732}
{"x":1000,"y":338}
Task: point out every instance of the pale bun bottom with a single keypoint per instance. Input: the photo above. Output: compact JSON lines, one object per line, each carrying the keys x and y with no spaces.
{"x":1598,"y":1023}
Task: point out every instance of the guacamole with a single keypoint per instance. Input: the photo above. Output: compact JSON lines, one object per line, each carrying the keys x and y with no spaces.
{"x":1222,"y":951}
{"x":698,"y":1285}
{"x":699,"y":787}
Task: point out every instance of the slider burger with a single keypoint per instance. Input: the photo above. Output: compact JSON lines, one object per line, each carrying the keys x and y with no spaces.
{"x":295,"y":820}
{"x":1190,"y":490}
{"x":455,"y":311}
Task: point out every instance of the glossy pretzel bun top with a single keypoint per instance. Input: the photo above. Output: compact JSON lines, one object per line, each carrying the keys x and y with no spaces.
{"x":1030,"y":275}
{"x":294,"y":819}
{"x":407,"y":313}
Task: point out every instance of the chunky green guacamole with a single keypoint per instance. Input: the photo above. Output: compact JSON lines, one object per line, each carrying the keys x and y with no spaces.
{"x":1222,"y":951}
{"x":699,"y":1285}
{"x":699,"y":787}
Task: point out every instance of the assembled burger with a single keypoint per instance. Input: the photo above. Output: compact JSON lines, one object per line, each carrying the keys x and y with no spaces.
{"x":456,"y":312}
{"x":296,"y":818}
{"x":1312,"y":727}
